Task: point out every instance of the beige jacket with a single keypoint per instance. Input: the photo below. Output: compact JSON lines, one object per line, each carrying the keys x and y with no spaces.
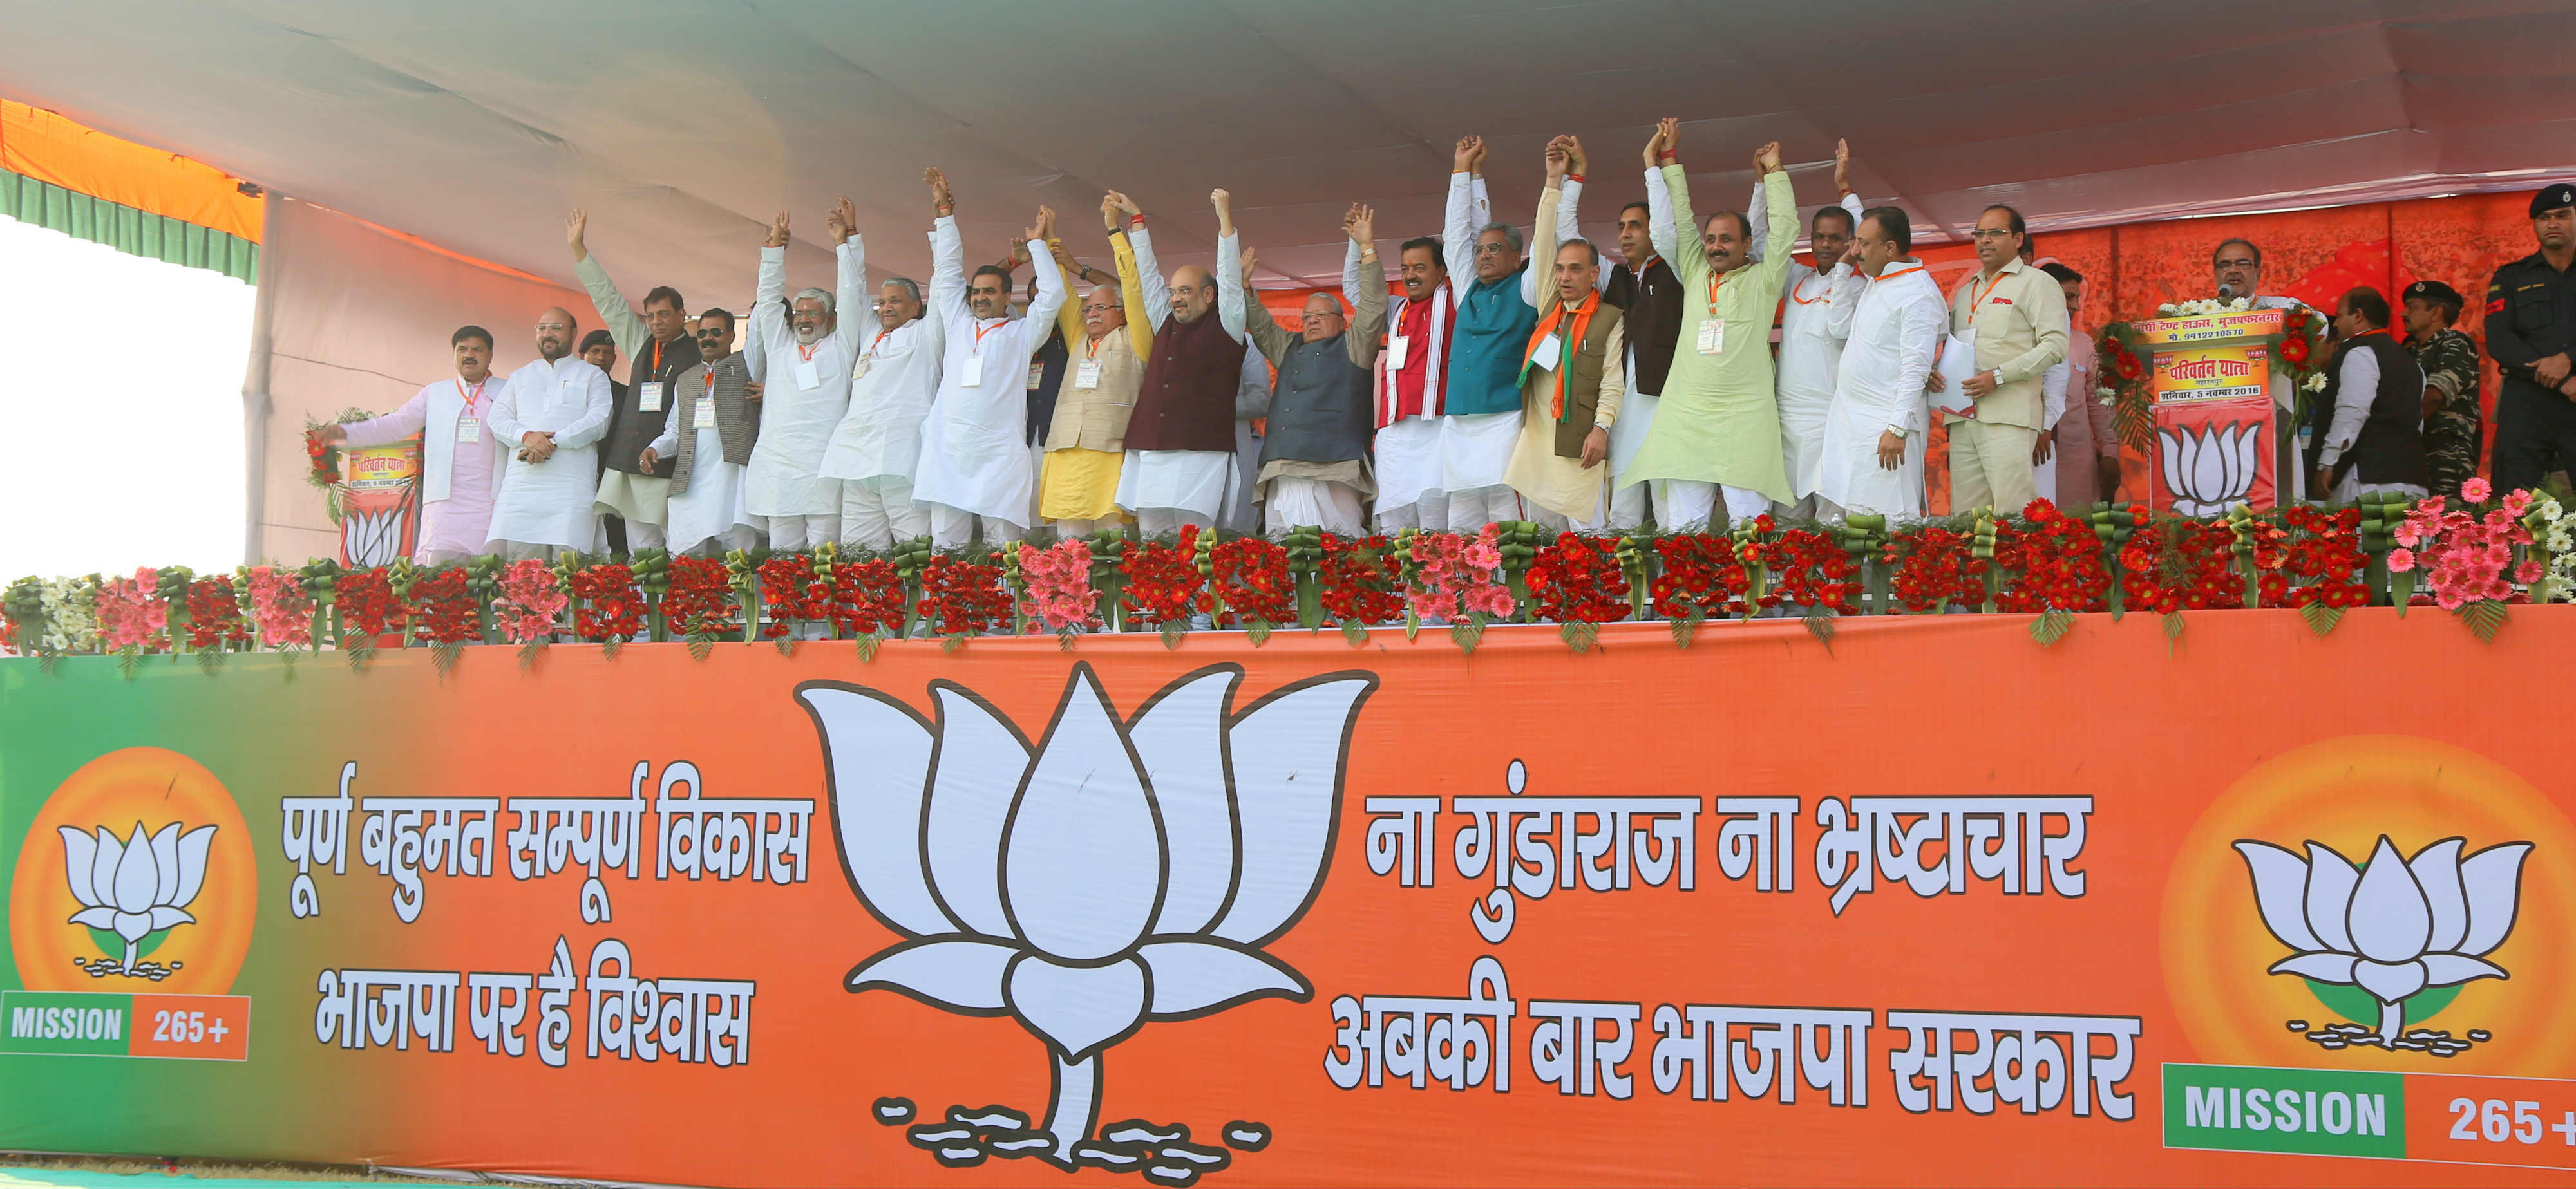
{"x":2019,"y":316}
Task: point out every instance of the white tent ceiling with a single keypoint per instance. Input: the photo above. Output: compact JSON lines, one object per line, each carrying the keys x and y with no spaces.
{"x":683,"y":124}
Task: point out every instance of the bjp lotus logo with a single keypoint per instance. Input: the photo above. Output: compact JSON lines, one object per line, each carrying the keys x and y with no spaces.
{"x":2209,"y":469}
{"x":138,"y":867}
{"x":1120,"y":872}
{"x":2394,"y":927}
{"x":135,"y":888}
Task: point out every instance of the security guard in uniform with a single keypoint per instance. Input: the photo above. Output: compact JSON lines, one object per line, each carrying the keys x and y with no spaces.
{"x":2452,"y":426}
{"x":2531,"y":328}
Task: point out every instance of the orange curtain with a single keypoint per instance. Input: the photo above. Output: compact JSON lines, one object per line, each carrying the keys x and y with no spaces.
{"x":44,"y":146}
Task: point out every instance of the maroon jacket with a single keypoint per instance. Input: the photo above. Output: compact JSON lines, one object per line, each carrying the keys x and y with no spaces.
{"x":1187,"y":400}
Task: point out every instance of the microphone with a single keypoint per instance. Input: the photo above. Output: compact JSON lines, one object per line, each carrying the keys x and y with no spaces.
{"x":2227,"y":292}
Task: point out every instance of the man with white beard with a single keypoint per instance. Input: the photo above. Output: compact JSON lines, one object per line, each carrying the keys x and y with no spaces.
{"x":551,"y":415}
{"x":811,"y":352}
{"x":1180,"y":466}
{"x":876,"y":450}
{"x":1872,"y":460}
{"x":974,"y":453}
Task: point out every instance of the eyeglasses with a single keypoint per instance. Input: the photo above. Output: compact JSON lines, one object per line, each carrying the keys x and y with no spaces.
{"x":2239,"y":262}
{"x":1493,"y":249}
{"x":1992,"y":232}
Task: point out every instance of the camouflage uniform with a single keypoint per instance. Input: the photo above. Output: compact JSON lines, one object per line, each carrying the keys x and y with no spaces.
{"x":2452,"y":434}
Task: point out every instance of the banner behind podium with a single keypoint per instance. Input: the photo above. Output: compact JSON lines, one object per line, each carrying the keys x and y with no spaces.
{"x":2213,"y":411}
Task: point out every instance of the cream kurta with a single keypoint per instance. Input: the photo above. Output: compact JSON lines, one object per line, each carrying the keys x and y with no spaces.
{"x":1717,"y":419}
{"x":1561,"y":485}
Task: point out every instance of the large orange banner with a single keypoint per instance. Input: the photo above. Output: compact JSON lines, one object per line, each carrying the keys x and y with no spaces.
{"x":1930,"y":904}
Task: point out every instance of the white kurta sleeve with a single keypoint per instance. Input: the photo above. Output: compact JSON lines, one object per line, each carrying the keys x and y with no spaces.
{"x":851,"y":326}
{"x":1843,"y":288}
{"x":2357,"y":385}
{"x":668,"y":445}
{"x":1918,"y":339}
{"x":1757,"y":224}
{"x":1051,"y":290}
{"x":627,"y":330}
{"x":403,"y":422}
{"x":1229,"y":284}
{"x":1458,"y":235}
{"x":1568,"y":224}
{"x":947,"y":271}
{"x":597,"y":402}
{"x":507,"y":429}
{"x":1659,"y":215}
{"x":768,"y":313}
{"x":1149,"y":275}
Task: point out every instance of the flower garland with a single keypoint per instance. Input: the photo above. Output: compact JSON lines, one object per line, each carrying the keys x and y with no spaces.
{"x":214,"y":614}
{"x":963,"y":598}
{"x":1163,"y":581}
{"x":1458,"y":576}
{"x":532,"y":594}
{"x":1579,"y":580}
{"x":2057,"y":563}
{"x":1360,"y":581}
{"x":2177,"y":565}
{"x":282,"y":606}
{"x":1249,"y":575}
{"x":131,"y":613}
{"x":866,"y":598}
{"x":2551,"y":530}
{"x":611,"y":608}
{"x":790,"y":590}
{"x":1809,"y":569}
{"x":1935,"y":568}
{"x":443,"y":608}
{"x":701,"y":602}
{"x":2325,"y":546}
{"x":1702,"y":577}
{"x":366,"y":602}
{"x":71,"y":615}
{"x":1057,"y":582}
{"x":2467,"y":557}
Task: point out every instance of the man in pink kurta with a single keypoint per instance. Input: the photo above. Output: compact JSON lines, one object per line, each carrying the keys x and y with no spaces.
{"x":460,"y":460}
{"x":2088,"y":452}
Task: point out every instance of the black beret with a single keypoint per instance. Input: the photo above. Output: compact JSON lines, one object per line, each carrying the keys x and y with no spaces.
{"x":2551,"y":198}
{"x":2434,"y":291}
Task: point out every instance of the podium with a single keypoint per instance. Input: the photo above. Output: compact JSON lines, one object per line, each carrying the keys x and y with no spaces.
{"x":2211,"y":394}
{"x":377,"y":503}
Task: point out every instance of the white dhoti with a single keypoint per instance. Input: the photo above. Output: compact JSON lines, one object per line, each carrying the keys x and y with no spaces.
{"x":1169,"y":488}
{"x":1408,"y":471}
{"x":550,"y":503}
{"x":878,"y":512}
{"x":1629,"y":505}
{"x":1333,"y":507}
{"x":712,"y":509}
{"x":1802,"y":436}
{"x":1848,"y":473}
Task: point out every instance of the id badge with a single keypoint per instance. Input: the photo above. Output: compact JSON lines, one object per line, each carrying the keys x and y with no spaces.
{"x":1397,"y":347}
{"x":704,"y":417}
{"x":1037,"y":375}
{"x":859,"y":370}
{"x":1545,"y":356}
{"x":971,"y":375}
{"x":1712,"y":336}
{"x":469,"y":430}
{"x":808,"y":376}
{"x":1087,"y":374}
{"x":648,"y":398}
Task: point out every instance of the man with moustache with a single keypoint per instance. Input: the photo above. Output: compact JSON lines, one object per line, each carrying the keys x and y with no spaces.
{"x":712,"y":433}
{"x":1314,"y":463}
{"x":2531,"y":332}
{"x":974,"y":457}
{"x":1086,"y":440}
{"x":552,"y":416}
{"x":1570,"y":380}
{"x":2016,"y":317}
{"x":1872,"y":460}
{"x":1180,"y":465}
{"x":876,"y":450}
{"x":459,"y":456}
{"x":1815,"y":316}
{"x":659,"y":345}
{"x":802,"y":355}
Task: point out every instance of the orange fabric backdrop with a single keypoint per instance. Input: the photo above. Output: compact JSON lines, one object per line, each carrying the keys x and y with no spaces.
{"x":41,"y":145}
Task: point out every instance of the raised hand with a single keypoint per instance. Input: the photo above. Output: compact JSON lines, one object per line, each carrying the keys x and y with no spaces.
{"x":1670,"y":129}
{"x":941,"y":201}
{"x":778,"y":231}
{"x":1224,"y":204}
{"x":1465,"y":155}
{"x":1557,"y":159}
{"x":1574,"y":153}
{"x":1769,"y":157}
{"x":1046,"y":223}
{"x":1477,"y":165}
{"x":1247,"y":267}
{"x":575,"y":226}
{"x":1036,"y":231}
{"x":1842,"y":166}
{"x":1064,"y":260}
{"x":844,"y":222}
{"x":1361,"y":224}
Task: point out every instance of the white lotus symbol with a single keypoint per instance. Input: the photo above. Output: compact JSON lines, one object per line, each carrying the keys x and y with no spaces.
{"x":375,"y":538}
{"x":2208,"y":470}
{"x":2394,"y":928}
{"x":1119,"y":872}
{"x":136,"y":887}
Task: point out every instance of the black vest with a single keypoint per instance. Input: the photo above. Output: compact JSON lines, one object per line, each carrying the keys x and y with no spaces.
{"x":630,"y":429}
{"x":2390,"y":447}
{"x":1321,"y":409}
{"x":1654,"y":319}
{"x":1050,"y":362}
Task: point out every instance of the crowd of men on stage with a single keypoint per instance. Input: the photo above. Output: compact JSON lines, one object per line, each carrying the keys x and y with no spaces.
{"x":1514,"y":379}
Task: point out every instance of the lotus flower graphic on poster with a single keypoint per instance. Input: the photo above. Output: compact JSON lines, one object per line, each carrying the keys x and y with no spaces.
{"x":2395,"y":928}
{"x":1120,"y":872}
{"x":135,"y":888}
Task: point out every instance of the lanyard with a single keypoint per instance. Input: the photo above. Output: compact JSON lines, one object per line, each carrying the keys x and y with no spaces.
{"x":804,"y":351}
{"x":1989,"y":291}
{"x":471,"y":398}
{"x":981,"y":331}
{"x":1091,"y":346}
{"x":1895,"y":273}
{"x":657,"y":357}
{"x":1715,"y":281}
{"x":1801,"y":287}
{"x":874,"y":342}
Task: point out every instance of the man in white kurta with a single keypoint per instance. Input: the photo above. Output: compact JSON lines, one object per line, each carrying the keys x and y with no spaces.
{"x":1815,"y":316}
{"x":709,"y":514}
{"x":802,"y":356}
{"x":974,"y":447}
{"x":1166,"y":489}
{"x":876,"y":450}
{"x":1871,"y":459}
{"x":551,"y":417}
{"x":460,"y":460}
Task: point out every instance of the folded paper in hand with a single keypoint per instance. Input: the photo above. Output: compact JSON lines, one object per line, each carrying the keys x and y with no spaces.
{"x":1958,"y":362}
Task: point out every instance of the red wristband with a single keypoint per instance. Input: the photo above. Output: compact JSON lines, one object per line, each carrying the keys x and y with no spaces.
{"x":1574,"y":177}
{"x":1665,"y":156}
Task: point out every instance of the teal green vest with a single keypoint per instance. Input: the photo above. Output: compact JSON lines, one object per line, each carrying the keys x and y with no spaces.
{"x":1486,"y":345}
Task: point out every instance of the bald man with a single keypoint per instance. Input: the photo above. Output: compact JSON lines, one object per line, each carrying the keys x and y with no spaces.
{"x":550,"y":417}
{"x":1315,"y":459}
{"x":1180,"y":438}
